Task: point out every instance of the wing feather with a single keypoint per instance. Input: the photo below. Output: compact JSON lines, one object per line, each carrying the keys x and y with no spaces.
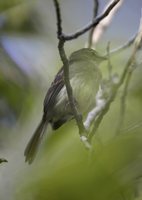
{"x":56,"y":86}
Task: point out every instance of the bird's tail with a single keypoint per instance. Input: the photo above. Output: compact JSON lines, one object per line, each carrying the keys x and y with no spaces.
{"x":35,"y":141}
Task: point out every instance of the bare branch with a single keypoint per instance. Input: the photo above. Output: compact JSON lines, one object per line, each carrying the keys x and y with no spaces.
{"x":95,"y":13}
{"x":77,"y":115}
{"x":96,"y":21}
{"x":58,"y":16}
{"x":104,"y":23}
{"x":124,"y":46}
{"x":128,"y":43}
{"x":123,"y":101}
{"x":109,"y":62}
{"x":132,"y":127}
{"x":96,"y":7}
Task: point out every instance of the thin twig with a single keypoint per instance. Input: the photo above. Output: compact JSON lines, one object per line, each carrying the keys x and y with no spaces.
{"x":96,"y":7}
{"x":104,"y":23}
{"x":95,"y":13}
{"x":128,"y":43}
{"x":123,"y":102}
{"x":92,"y":24}
{"x":77,"y":115}
{"x":58,"y":16}
{"x":109,"y":62}
{"x":124,"y":46}
{"x":132,"y":127}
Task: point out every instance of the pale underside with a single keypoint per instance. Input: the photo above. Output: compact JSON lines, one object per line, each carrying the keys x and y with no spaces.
{"x":85,"y":85}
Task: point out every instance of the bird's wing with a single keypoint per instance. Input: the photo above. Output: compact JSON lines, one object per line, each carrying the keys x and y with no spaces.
{"x":56,"y":86}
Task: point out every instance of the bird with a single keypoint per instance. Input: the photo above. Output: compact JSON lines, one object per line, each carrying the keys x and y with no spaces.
{"x":85,"y":77}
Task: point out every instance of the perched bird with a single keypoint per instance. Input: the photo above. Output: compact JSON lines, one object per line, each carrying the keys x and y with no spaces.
{"x":84,"y":77}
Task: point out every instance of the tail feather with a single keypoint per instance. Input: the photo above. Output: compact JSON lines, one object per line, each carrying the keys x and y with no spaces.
{"x":34,"y":142}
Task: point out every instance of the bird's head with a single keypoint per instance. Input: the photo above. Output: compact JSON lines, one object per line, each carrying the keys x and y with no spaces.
{"x":87,"y":54}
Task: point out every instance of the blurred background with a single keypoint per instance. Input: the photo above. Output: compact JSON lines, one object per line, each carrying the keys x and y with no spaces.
{"x":29,"y":60}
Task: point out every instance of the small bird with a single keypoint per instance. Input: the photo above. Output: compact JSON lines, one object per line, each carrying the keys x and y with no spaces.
{"x":85,"y":77}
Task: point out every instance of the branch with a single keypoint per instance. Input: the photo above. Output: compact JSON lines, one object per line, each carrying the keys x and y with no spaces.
{"x":132,"y":127}
{"x":96,"y":7}
{"x":124,"y":46}
{"x":109,"y":65}
{"x":101,"y":27}
{"x":92,"y":24}
{"x":95,"y":13}
{"x":58,"y":16}
{"x":123,"y":102}
{"x":77,"y":115}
